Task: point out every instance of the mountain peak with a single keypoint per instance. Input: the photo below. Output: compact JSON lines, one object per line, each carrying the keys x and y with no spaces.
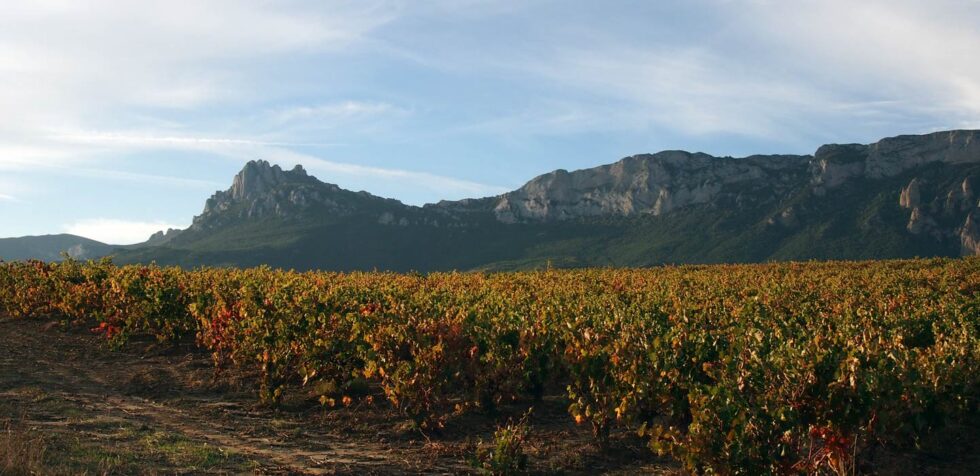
{"x":264,"y":190}
{"x":258,"y":177}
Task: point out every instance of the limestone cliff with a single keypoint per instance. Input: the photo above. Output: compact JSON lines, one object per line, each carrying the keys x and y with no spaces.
{"x":646,"y":185}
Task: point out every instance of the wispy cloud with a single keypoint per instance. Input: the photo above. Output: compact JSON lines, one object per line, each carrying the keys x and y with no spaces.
{"x":279,"y":152}
{"x":142,"y":178}
{"x":13,"y":190}
{"x":104,"y":61}
{"x":162,"y":54}
{"x":896,"y":49}
{"x":346,"y":110}
{"x":690,"y":91}
{"x":124,"y":139}
{"x":446,"y":186}
{"x":17,"y":157}
{"x":775,"y":71}
{"x":117,"y":232}
{"x":85,"y":169}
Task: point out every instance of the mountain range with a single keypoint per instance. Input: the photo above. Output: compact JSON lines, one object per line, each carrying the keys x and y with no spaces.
{"x":904,"y":196}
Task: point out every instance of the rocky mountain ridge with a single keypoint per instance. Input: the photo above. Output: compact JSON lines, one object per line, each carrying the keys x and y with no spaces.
{"x":648,"y":185}
{"x":658,"y":183}
{"x":661,"y":183}
{"x":903,"y":196}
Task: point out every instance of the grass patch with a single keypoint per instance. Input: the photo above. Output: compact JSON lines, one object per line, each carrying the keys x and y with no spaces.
{"x":21,"y":450}
{"x":81,"y":456}
{"x":115,"y":447}
{"x":179,"y":450}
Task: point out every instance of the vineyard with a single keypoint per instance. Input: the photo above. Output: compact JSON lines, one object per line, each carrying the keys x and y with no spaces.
{"x":731,"y":369}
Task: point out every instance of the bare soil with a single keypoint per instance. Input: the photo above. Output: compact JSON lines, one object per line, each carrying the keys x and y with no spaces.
{"x":69,"y":405}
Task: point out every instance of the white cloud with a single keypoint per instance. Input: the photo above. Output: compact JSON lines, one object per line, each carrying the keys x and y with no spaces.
{"x":8,"y":198}
{"x":118,"y":232}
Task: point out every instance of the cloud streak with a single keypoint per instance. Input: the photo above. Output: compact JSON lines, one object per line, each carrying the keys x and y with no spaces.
{"x":124,"y":139}
{"x":775,"y":71}
{"x":446,"y":186}
{"x":280,"y":152}
{"x":101,"y":61}
{"x":142,"y":178}
{"x":242,"y":150}
{"x":341,"y":111}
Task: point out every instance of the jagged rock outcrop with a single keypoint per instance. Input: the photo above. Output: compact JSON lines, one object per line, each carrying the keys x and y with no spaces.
{"x":835,"y":164}
{"x":162,"y":237}
{"x":944,"y":212}
{"x":970,"y":235}
{"x":919,"y":222}
{"x":960,"y":199}
{"x":911,"y":196}
{"x":894,"y":155}
{"x":967,"y":188}
{"x":262,"y":190}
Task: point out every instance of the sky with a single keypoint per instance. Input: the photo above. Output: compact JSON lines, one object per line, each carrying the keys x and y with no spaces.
{"x":121,"y":118}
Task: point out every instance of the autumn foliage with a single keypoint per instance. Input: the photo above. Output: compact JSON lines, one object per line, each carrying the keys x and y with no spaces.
{"x":774,"y":368}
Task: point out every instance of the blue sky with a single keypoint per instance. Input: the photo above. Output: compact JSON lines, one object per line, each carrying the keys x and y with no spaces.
{"x":122,"y":117}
